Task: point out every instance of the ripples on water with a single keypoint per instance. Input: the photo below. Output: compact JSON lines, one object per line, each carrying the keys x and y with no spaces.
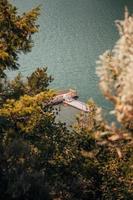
{"x":73,"y":33}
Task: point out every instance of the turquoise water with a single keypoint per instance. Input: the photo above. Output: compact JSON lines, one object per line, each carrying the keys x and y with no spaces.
{"x":73,"y":33}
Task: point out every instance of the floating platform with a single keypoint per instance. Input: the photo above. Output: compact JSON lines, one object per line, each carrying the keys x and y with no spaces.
{"x":77,"y":104}
{"x":69,"y":97}
{"x":62,"y":95}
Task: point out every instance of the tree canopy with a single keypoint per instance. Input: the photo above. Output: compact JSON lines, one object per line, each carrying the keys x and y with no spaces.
{"x":15,"y":34}
{"x":115,"y":72}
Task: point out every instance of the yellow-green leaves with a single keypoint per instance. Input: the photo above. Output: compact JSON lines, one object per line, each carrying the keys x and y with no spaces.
{"x":3,"y":55}
{"x":26,"y":23}
{"x":27,"y":111}
{"x":15,"y":34}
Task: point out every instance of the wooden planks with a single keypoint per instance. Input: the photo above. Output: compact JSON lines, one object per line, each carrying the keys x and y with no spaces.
{"x":77,"y":104}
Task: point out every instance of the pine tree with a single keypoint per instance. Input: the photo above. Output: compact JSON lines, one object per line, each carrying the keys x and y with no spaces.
{"x":15,"y":35}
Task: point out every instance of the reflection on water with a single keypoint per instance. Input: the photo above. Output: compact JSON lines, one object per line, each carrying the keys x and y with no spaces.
{"x":68,"y":114}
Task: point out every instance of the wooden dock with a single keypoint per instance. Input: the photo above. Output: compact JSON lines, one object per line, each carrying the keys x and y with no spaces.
{"x":62,"y":95}
{"x":77,"y":104}
{"x":69,"y":97}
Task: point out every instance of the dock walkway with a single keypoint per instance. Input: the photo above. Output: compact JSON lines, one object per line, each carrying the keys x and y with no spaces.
{"x":68,"y":97}
{"x":77,"y":104}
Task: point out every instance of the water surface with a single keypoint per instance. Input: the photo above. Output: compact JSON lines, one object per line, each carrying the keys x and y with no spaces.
{"x":73,"y":33}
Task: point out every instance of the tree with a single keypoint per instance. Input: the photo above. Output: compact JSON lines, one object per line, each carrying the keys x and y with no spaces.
{"x":115,"y":71}
{"x":39,"y":157}
{"x":22,"y":106}
{"x":37,"y":82}
{"x":15,"y":34}
{"x":112,"y":145}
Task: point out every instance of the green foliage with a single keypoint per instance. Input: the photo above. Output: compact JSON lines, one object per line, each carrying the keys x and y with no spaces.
{"x":37,"y":82}
{"x":15,"y":34}
{"x":34,"y":146}
{"x":110,"y":150}
{"x":26,"y":112}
